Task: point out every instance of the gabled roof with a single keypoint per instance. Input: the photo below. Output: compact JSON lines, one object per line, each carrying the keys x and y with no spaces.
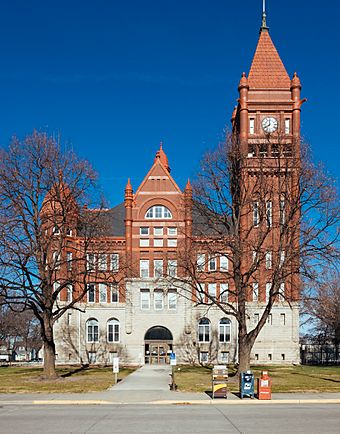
{"x":267,"y":70}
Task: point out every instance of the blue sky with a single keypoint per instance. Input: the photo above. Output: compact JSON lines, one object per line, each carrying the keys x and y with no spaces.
{"x":116,"y":77}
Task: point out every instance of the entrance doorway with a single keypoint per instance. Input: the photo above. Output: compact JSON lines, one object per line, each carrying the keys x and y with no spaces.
{"x":158,"y":345}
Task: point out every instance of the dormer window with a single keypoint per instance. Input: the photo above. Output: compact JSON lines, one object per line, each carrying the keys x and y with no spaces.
{"x":158,"y":212}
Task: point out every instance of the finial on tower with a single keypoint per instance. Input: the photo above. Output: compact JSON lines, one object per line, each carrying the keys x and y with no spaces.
{"x":264,"y":26}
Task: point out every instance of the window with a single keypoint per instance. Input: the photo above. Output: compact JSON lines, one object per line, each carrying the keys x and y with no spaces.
{"x":92,"y":330}
{"x":269,"y":213}
{"x":144,"y":242}
{"x":212,"y":266}
{"x":224,"y":328}
{"x":172,"y":268}
{"x":158,"y":212}
{"x":282,"y":319}
{"x":287,"y":126}
{"x":114,"y":261}
{"x":224,"y":357}
{"x":254,"y":257}
{"x":158,"y":242}
{"x":90,"y":261}
{"x":200,"y":261}
{"x":282,"y":257}
{"x":69,"y":232}
{"x":172,"y":299}
{"x":144,"y":267}
{"x":270,"y":319}
{"x":56,"y":260}
{"x":282,"y":291}
{"x":224,"y":263}
{"x":113,"y":330}
{"x":92,"y":357}
{"x":268,"y":287}
{"x":270,"y":357}
{"x":158,"y":231}
{"x":144,"y":231}
{"x":256,"y":357}
{"x":144,"y":299}
{"x":251,"y":126}
{"x":69,"y":261}
{"x":256,"y":318}
{"x":102,"y":262}
{"x":204,"y":357}
{"x":69,"y":318}
{"x":172,"y":231}
{"x":204,"y":330}
{"x":158,"y":300}
{"x":102,"y":293}
{"x":91,"y":293}
{"x":212,"y":290}
{"x":56,"y":230}
{"x":56,"y":287}
{"x":256,"y":214}
{"x":255,"y":291}
{"x":172,"y":242}
{"x":224,"y":288}
{"x":200,"y":292}
{"x":158,"y":267}
{"x":114,"y":293}
{"x":69,"y":293}
{"x":283,"y":357}
{"x":282,"y":212}
{"x":269,"y":260}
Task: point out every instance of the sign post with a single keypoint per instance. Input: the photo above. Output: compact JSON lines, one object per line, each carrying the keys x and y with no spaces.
{"x":115,"y":368}
{"x":173,"y":364}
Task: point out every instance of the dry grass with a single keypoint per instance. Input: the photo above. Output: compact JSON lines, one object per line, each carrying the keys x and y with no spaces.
{"x":284,"y":378}
{"x":72,"y":379}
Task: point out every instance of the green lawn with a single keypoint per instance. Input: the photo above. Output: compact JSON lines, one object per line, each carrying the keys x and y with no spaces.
{"x":284,"y":378}
{"x":72,"y":379}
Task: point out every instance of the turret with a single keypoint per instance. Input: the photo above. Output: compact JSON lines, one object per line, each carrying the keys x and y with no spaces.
{"x":243,"y":89}
{"x":128,"y":215}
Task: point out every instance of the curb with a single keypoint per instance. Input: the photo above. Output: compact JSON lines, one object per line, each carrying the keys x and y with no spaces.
{"x":175,"y":402}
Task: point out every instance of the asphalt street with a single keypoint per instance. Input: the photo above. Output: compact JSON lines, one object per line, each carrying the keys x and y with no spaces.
{"x":151,"y":419}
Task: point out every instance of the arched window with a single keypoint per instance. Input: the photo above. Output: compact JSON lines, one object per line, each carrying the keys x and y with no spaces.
{"x":92,"y":330}
{"x":204,"y":330}
{"x":158,"y":212}
{"x":113,"y":330}
{"x":224,"y":330}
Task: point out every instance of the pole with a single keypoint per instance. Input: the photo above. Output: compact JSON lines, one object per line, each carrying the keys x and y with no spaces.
{"x":116,"y":377}
{"x":173,"y":385}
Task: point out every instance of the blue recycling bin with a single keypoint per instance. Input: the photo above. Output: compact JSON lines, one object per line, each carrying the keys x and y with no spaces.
{"x":247,"y":384}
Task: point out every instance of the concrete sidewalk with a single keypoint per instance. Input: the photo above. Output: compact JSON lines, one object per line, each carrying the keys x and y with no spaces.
{"x":150,"y":385}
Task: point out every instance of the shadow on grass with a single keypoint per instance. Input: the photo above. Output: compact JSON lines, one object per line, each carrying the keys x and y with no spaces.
{"x":314,"y":376}
{"x":75,"y":371}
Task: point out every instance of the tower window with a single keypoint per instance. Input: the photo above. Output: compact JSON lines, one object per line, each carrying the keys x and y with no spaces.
{"x":269,"y":214}
{"x":251,"y":126}
{"x":287,"y":126}
{"x":256,"y":214}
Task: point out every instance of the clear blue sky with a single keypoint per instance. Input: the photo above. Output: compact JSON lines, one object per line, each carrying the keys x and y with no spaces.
{"x":116,"y":77}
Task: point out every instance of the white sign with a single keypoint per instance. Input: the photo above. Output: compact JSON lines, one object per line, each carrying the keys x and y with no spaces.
{"x":115,"y":365}
{"x":172,"y":359}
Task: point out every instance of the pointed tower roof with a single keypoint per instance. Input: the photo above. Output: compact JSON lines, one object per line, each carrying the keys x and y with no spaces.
{"x":162,"y":157}
{"x":267,"y":70}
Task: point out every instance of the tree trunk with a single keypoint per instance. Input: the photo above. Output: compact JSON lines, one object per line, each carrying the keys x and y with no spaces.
{"x":49,"y":347}
{"x":244,"y":349}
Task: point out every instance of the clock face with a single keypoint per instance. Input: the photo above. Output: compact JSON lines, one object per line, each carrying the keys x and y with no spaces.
{"x":269,"y":124}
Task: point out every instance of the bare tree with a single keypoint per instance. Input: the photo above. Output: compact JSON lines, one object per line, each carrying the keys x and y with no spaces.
{"x":268,"y":222}
{"x":43,"y":190}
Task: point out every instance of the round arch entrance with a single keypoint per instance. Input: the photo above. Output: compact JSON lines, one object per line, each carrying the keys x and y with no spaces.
{"x":157,"y":345}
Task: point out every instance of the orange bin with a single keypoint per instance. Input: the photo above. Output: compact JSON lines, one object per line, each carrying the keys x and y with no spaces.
{"x":264,"y":386}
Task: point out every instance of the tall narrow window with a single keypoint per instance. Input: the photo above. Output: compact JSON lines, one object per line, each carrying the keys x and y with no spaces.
{"x":282,"y":257}
{"x":282,"y":319}
{"x":145,"y":299}
{"x":269,"y":260}
{"x":102,"y":292}
{"x":113,"y":330}
{"x":212,"y":290}
{"x":172,"y":299}
{"x":102,"y":262}
{"x":69,"y":261}
{"x":282,"y":291}
{"x":204,"y":330}
{"x":158,"y":268}
{"x":200,"y":261}
{"x":287,"y":126}
{"x":282,"y":212}
{"x":90,"y":261}
{"x":224,"y":263}
{"x":212,"y":266}
{"x":92,"y":330}
{"x":114,"y":261}
{"x":158,"y":299}
{"x":256,"y":214}
{"x":144,"y":268}
{"x":224,"y":289}
{"x":224,"y":330}
{"x":114,"y":293}
{"x":172,"y":268}
{"x":268,"y":288}
{"x":269,"y":214}
{"x":200,"y":292}
{"x":251,"y":126}
{"x":69,"y":293}
{"x":56,"y":260}
{"x":255,"y":291}
{"x":91,"y":293}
